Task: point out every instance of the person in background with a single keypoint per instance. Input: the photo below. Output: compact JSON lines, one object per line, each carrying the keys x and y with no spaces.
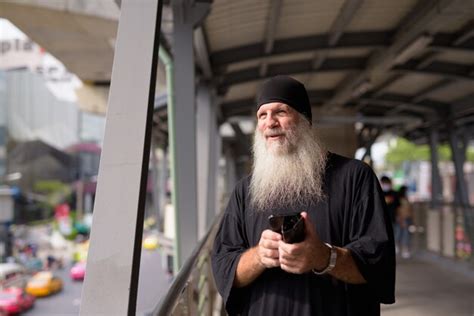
{"x":391,"y":199}
{"x":404,"y":220}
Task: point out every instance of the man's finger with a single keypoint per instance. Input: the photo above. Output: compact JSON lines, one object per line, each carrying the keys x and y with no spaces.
{"x":269,"y":234}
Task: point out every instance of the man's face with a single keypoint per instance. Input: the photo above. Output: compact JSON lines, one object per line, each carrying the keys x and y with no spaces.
{"x":275,"y":121}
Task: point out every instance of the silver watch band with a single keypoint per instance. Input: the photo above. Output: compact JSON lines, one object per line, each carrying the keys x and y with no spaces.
{"x":332,"y":261}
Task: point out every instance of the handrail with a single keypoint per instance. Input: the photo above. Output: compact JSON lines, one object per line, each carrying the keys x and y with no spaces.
{"x":168,"y":303}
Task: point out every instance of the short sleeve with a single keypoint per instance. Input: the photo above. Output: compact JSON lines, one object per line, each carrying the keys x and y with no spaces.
{"x":371,"y":238}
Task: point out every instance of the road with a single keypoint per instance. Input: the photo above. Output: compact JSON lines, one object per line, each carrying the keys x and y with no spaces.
{"x":153,"y":284}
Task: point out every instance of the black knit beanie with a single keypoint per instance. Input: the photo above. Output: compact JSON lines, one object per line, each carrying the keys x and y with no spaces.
{"x":286,"y":90}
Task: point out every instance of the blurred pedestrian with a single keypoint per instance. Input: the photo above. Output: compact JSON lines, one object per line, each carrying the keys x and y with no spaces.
{"x":404,"y":221}
{"x":391,"y":199}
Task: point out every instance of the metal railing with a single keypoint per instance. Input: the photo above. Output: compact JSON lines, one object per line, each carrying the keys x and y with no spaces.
{"x":446,"y":231}
{"x":193,"y":292}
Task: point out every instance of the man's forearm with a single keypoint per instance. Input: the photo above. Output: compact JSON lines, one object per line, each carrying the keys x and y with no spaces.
{"x":346,"y":269}
{"x":248,"y":268}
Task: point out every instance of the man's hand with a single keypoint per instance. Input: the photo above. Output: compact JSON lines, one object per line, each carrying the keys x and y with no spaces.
{"x":267,"y":249}
{"x":299,"y":258}
{"x":255,"y":260}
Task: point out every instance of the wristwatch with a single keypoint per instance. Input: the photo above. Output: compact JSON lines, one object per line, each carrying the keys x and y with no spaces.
{"x":332,"y":261}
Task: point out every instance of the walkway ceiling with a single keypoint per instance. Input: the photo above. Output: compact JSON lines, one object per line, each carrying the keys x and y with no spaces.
{"x":403,"y":66}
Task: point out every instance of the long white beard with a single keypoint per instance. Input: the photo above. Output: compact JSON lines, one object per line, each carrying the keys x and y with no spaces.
{"x":289,"y":171}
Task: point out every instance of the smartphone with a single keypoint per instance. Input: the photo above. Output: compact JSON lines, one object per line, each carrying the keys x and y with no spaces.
{"x":291,"y":227}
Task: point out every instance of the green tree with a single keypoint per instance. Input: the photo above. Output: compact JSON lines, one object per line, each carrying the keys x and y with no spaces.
{"x":403,"y":150}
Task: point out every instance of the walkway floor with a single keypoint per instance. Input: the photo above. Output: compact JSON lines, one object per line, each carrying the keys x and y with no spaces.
{"x":425,"y":288}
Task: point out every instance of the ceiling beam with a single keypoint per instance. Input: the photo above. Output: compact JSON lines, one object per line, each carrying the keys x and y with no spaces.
{"x":242,"y":141}
{"x":465,"y":34}
{"x":424,"y":14}
{"x":426,"y":108}
{"x":444,"y":69}
{"x":320,"y":42}
{"x":407,"y":105}
{"x":338,"y":27}
{"x":424,"y":93}
{"x":299,"y":44}
{"x":202,"y":52}
{"x":269,"y":37}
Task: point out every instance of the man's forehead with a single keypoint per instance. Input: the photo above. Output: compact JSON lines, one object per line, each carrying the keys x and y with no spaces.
{"x":274,"y":106}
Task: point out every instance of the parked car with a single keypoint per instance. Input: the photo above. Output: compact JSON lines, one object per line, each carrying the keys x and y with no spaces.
{"x":14,"y":300}
{"x":44,"y":283}
{"x":12,"y":275}
{"x":78,"y":271}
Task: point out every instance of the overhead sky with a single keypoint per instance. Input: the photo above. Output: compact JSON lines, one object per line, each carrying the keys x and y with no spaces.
{"x":62,"y":84}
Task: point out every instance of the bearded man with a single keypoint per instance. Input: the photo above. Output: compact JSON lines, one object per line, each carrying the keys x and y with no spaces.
{"x":346,"y":263}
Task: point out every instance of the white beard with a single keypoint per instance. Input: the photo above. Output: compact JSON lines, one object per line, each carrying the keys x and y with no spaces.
{"x":288,"y":171}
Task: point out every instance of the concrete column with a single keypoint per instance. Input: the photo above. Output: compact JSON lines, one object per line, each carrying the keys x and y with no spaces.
{"x":113,"y":262}
{"x":214,"y":155}
{"x":458,"y":150}
{"x":206,"y":140}
{"x":183,"y":126}
{"x":436,"y":184}
{"x":459,"y":156}
{"x":230,"y":172}
{"x":162,"y":187}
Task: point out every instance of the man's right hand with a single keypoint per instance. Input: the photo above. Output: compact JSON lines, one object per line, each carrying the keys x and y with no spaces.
{"x":267,"y":249}
{"x":255,"y":260}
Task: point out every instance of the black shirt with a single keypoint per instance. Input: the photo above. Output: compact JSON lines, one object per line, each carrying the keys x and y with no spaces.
{"x":351,"y":215}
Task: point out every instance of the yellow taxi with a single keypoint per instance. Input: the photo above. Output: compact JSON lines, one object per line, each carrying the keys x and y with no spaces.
{"x":44,"y":283}
{"x":150,"y":242}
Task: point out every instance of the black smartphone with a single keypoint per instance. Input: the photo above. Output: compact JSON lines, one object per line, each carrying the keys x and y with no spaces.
{"x":291,"y":227}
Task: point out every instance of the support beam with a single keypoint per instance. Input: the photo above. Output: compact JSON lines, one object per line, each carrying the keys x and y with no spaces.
{"x":269,"y":37}
{"x":369,"y":40}
{"x":413,"y":25}
{"x":206,"y":134}
{"x":452,"y":71}
{"x":466,"y":33}
{"x":338,"y":27}
{"x":458,"y":150}
{"x":436,"y":184}
{"x":202,"y":52}
{"x":182,"y":121}
{"x":183,"y":128}
{"x":430,"y":89}
{"x":113,"y":263}
{"x":230,"y":171}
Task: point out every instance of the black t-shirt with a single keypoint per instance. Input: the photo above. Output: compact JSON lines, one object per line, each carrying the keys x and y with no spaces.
{"x":351,"y":215}
{"x":393,"y":203}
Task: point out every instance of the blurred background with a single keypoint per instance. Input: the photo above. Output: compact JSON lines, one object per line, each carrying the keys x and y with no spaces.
{"x":55,"y":71}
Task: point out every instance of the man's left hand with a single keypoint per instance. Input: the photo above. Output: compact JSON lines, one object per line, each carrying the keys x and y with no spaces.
{"x":301,"y":257}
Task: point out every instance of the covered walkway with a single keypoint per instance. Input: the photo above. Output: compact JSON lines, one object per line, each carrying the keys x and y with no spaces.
{"x":371,"y":67}
{"x":427,"y":286}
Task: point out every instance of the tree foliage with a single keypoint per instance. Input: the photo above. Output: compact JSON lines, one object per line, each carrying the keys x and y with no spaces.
{"x":402,"y":150}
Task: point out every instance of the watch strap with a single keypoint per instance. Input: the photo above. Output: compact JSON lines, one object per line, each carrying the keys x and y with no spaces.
{"x":332,"y":261}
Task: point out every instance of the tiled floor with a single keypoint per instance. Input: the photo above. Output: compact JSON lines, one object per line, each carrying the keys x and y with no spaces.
{"x":425,"y":288}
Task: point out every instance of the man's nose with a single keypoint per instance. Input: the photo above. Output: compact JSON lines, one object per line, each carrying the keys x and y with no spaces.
{"x":271,"y":121}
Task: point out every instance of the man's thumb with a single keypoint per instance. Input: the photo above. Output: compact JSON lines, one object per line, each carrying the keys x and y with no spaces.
{"x":309,"y":227}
